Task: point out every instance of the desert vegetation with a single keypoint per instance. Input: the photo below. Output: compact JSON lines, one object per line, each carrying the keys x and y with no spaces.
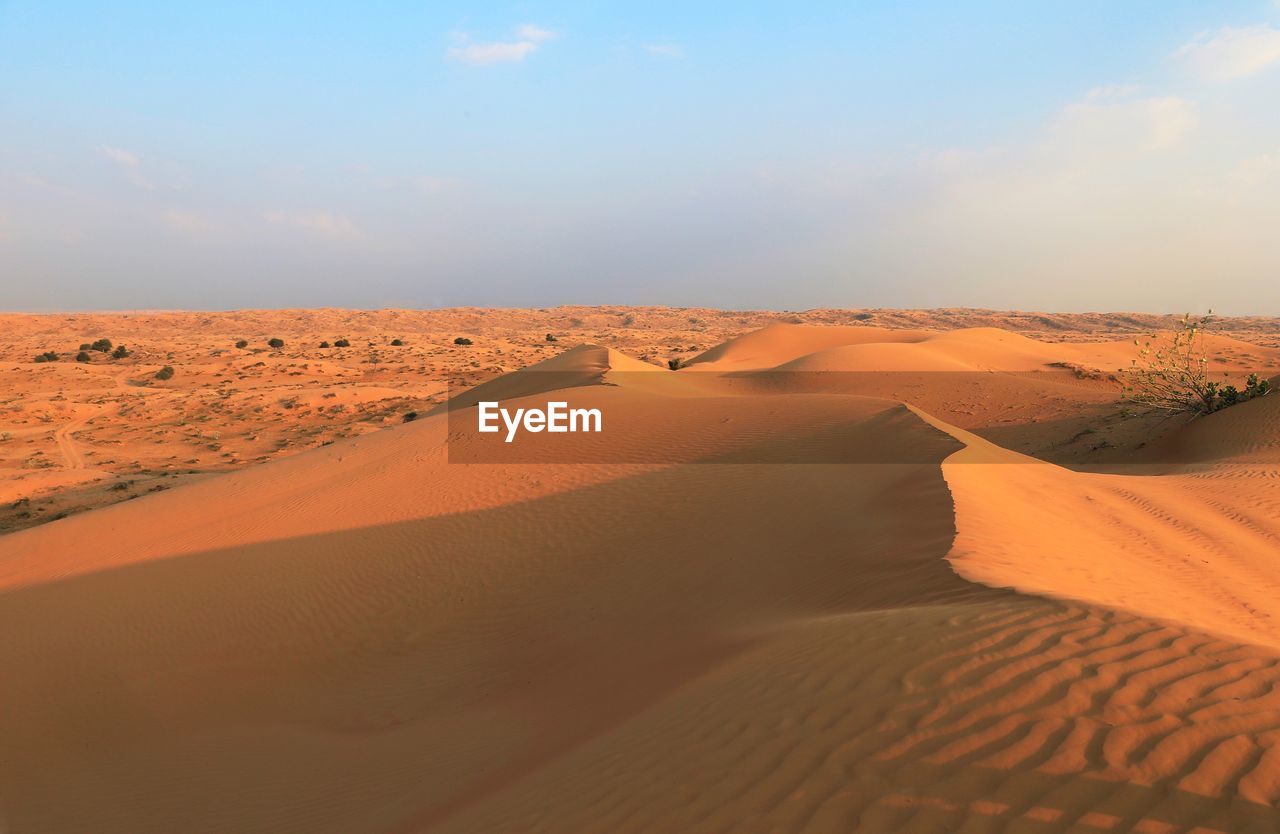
{"x":1171,"y":373}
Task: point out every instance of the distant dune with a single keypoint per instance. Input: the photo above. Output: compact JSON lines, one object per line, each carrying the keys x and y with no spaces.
{"x":825,"y":578}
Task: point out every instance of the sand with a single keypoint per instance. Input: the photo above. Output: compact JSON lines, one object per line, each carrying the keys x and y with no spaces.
{"x":826,"y":578}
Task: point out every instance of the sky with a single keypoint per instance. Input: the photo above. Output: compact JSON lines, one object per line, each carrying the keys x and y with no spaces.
{"x":1077,"y":156}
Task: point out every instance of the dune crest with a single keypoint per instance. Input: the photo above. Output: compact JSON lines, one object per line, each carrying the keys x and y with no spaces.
{"x":576,"y":367}
{"x":1167,"y":546}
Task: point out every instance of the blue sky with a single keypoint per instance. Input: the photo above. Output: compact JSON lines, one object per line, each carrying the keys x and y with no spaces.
{"x":1092,"y":155}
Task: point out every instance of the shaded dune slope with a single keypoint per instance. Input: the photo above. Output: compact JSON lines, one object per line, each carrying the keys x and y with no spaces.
{"x":447,"y":654}
{"x":1248,"y":433}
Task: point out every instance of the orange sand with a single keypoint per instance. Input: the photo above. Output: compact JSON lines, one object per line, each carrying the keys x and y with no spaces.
{"x":873,"y":612}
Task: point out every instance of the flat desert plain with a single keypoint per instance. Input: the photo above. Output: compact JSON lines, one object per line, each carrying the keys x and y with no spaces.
{"x":841,"y":571}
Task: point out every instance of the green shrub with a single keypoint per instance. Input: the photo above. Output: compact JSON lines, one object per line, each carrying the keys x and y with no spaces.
{"x":82,"y":356}
{"x":275,"y":343}
{"x":342,"y":343}
{"x":551,"y":337}
{"x":86,"y":346}
{"x":120,"y":352}
{"x":411,"y":416}
{"x":101,"y":346}
{"x":165,"y":373}
{"x":1172,"y":374}
{"x":324,"y":344}
{"x":462,"y":340}
{"x":675,"y":364}
{"x":47,"y":356}
{"x":242,"y":344}
{"x":397,"y":343}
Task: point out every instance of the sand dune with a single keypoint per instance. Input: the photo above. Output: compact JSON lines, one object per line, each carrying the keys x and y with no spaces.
{"x":1199,"y":548}
{"x":1248,"y":433}
{"x":763,"y":606}
{"x":576,"y":367}
{"x":845,"y":349}
{"x":779,"y":343}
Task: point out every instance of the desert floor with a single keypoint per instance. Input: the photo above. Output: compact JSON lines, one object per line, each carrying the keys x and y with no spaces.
{"x":843,"y":571}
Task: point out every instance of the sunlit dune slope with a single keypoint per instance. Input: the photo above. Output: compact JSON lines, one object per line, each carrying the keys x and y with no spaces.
{"x":801,"y":348}
{"x":1202,"y":548}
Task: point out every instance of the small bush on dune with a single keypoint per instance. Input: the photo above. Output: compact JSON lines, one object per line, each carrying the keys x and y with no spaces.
{"x":1171,"y":374}
{"x":462,"y":340}
{"x":101,"y":346}
{"x":275,"y":343}
{"x":675,"y":364}
{"x":551,"y":337}
{"x":324,"y":344}
{"x":120,"y":352}
{"x":82,"y":356}
{"x":397,"y":342}
{"x":242,"y":344}
{"x":47,"y":356}
{"x":86,"y":346}
{"x":411,"y":416}
{"x":342,"y":343}
{"x":165,"y":373}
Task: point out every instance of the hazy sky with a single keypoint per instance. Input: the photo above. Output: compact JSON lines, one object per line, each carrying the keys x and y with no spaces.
{"x":1064,"y":156}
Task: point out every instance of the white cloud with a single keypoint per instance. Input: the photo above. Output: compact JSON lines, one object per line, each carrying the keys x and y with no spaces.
{"x":1257,"y":171}
{"x":1111,"y":92}
{"x":128,"y":162}
{"x":1117,"y":123}
{"x":534,"y":33}
{"x":324,"y":224}
{"x":1233,"y":52}
{"x":528,"y":37}
{"x":119,"y":156}
{"x":664,"y":50}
